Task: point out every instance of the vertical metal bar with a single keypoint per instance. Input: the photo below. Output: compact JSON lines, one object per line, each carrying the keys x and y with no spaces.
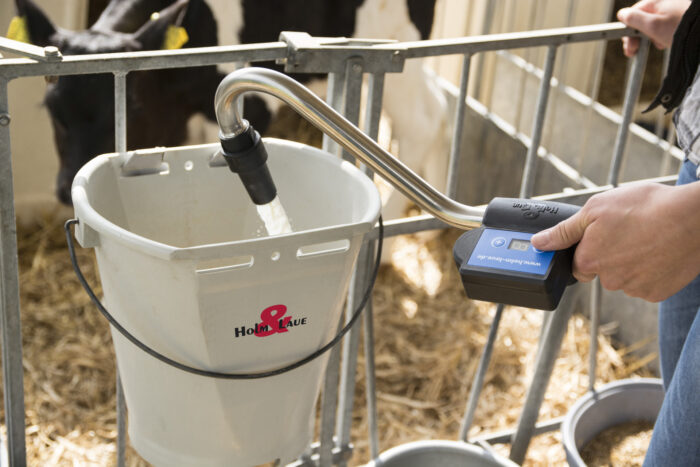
{"x":334,"y":97}
{"x":523,"y":76}
{"x":120,"y":111}
{"x":372,"y":117}
{"x":595,"y":306}
{"x":13,"y":377}
{"x":634,"y":84}
{"x":353,"y":95}
{"x":348,"y":369}
{"x":594,"y":91}
{"x":456,"y":149}
{"x":485,"y":29}
{"x":528,"y":180}
{"x":478,"y":382}
{"x":543,"y":370}
{"x":560,"y":76}
{"x":329,"y":401}
{"x":120,"y":146}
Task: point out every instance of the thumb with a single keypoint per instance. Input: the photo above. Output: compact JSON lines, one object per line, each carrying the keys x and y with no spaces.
{"x":562,"y":235}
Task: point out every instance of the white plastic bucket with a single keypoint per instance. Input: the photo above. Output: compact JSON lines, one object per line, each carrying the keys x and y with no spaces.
{"x":183,"y":267}
{"x":439,"y":453}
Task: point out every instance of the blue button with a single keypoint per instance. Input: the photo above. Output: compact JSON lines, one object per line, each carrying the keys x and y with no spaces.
{"x":498,"y":242}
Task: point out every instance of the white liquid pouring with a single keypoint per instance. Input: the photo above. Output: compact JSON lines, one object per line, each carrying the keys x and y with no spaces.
{"x":274,"y":217}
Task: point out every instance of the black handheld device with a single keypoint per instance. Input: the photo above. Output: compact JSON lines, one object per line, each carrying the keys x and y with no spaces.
{"x":498,"y":263}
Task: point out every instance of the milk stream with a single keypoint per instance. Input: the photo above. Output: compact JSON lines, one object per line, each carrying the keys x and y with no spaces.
{"x":274,"y":217}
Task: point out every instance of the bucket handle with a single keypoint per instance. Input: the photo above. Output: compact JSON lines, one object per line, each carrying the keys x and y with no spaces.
{"x":215,"y":374}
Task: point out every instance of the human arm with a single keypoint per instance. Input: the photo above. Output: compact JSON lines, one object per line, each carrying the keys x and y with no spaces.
{"x":643,"y":239}
{"x":657,"y":19}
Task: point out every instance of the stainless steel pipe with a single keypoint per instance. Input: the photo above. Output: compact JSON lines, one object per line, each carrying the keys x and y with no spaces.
{"x":347,"y":135}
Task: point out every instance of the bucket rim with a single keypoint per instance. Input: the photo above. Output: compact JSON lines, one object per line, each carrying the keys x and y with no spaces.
{"x":407,"y":448}
{"x":90,"y":219}
{"x":588,"y":401}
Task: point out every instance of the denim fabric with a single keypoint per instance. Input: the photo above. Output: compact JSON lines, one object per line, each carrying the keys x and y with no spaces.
{"x":676,"y":438}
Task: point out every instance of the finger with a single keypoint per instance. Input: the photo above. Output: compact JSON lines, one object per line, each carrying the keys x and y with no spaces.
{"x":583,"y":277}
{"x":637,"y":18}
{"x":630,"y":46}
{"x":562,"y":235}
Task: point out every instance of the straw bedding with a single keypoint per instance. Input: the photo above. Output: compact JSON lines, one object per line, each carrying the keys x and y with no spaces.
{"x":428,"y":340}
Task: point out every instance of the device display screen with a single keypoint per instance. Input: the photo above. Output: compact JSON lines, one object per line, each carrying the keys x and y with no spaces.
{"x":520,"y":245}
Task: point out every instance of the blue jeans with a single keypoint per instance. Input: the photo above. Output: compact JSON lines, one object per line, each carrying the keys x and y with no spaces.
{"x":676,"y":438}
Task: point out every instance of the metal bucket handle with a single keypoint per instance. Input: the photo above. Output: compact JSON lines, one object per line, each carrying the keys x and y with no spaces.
{"x":215,"y":374}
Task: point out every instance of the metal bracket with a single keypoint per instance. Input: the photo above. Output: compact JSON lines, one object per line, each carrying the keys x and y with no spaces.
{"x":340,"y":454}
{"x":43,"y":54}
{"x":307,"y":54}
{"x":143,"y":162}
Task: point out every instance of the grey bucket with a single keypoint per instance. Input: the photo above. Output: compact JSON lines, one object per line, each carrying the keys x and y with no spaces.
{"x":619,"y":402}
{"x":439,"y":453}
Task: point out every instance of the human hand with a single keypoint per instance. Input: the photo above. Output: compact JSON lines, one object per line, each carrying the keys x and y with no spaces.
{"x":643,"y":239}
{"x":657,"y":19}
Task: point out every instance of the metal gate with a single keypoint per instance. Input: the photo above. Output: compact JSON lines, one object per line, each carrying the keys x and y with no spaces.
{"x":346,"y":62}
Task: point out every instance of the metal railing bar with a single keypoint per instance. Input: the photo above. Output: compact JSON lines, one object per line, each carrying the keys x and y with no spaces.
{"x":27,"y":50}
{"x":634,"y":85}
{"x":478,"y":381}
{"x":595,"y":90}
{"x":351,"y":342}
{"x":181,"y":58}
{"x":513,"y":40}
{"x":529,"y":66}
{"x":560,"y":75}
{"x":528,"y":179}
{"x":372,"y":117}
{"x":329,"y":401}
{"x":456,"y":148}
{"x":480,"y":63}
{"x":353,"y":96}
{"x":146,"y":60}
{"x":551,"y":344}
{"x":334,"y":98}
{"x":120,"y":146}
{"x":10,"y":322}
{"x":505,"y":436}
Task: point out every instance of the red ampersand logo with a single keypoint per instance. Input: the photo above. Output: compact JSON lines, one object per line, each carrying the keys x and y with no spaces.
{"x":272,"y":321}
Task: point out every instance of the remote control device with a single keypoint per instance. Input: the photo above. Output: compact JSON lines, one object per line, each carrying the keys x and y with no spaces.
{"x":498,"y":263}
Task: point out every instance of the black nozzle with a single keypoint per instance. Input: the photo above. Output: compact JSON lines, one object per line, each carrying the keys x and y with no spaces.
{"x":246,"y":155}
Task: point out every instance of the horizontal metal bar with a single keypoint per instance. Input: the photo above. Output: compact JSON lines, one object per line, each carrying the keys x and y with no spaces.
{"x":515,"y":40}
{"x":505,"y":436}
{"x":29,"y":50}
{"x":146,"y":60}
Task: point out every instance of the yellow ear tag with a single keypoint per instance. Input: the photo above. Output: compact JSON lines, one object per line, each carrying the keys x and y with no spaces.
{"x":18,"y":30}
{"x":175,"y":38}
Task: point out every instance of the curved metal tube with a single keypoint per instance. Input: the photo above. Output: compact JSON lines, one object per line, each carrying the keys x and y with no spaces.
{"x":347,"y":135}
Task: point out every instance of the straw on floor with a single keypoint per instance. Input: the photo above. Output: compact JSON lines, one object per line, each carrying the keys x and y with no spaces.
{"x":428,"y":341}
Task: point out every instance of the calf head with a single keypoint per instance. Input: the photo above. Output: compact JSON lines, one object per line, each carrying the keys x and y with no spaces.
{"x":159,"y":103}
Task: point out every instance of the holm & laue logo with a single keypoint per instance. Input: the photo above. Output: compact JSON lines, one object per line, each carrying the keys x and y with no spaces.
{"x":272,"y":321}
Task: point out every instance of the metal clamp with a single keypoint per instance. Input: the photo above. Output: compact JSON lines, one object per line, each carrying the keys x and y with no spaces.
{"x":307,"y":54}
